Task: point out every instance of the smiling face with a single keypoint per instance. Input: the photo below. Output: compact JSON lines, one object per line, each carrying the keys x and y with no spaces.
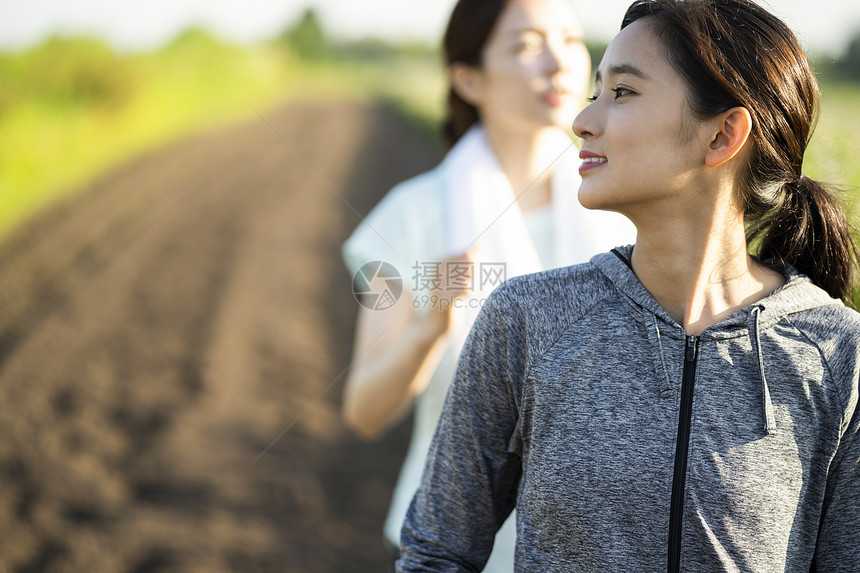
{"x":535,"y":68}
{"x":640,"y":141}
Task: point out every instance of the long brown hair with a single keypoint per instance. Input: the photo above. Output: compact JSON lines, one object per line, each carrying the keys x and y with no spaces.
{"x":470,"y":26}
{"x":733,"y":53}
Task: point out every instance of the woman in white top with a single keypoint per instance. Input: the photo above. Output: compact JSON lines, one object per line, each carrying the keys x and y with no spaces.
{"x":502,"y":203}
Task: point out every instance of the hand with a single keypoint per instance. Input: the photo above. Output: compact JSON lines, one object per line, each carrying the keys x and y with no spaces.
{"x":439,"y":319}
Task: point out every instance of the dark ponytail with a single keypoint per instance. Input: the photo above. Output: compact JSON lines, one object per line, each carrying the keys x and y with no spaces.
{"x":470,"y":26}
{"x":811,"y":231}
{"x":733,"y":53}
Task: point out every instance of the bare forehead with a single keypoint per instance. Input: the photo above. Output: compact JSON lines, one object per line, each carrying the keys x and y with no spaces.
{"x":636,"y":50}
{"x":539,"y":15}
{"x":622,"y":68}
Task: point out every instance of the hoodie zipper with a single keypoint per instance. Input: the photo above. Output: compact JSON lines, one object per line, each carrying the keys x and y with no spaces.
{"x":676,"y":510}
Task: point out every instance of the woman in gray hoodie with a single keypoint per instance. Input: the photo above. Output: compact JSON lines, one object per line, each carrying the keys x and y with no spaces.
{"x":679,"y":404}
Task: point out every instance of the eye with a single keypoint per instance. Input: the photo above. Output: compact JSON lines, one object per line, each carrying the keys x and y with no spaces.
{"x":620,"y":92}
{"x":530,"y":42}
{"x":592,"y":99}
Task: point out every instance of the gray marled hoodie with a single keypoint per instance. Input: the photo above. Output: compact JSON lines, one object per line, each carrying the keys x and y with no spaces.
{"x":569,"y":403}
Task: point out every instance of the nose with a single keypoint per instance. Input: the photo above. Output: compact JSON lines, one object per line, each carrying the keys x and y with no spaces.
{"x":568,"y":59}
{"x":555,"y":58}
{"x":585,"y":123}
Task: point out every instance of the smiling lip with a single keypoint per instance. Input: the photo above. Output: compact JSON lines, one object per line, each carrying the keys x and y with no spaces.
{"x":590,"y":161}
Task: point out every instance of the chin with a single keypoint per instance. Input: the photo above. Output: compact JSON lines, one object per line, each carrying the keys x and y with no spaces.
{"x":591,"y":198}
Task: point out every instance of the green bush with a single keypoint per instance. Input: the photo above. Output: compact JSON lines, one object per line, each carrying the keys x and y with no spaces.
{"x":65,"y":71}
{"x":71,"y":107}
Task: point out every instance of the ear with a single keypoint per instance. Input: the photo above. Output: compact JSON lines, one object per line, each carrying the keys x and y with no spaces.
{"x":733,"y":128}
{"x":468,"y":82}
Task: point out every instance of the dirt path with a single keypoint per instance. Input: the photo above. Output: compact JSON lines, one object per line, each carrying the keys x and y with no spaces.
{"x":161,"y":329}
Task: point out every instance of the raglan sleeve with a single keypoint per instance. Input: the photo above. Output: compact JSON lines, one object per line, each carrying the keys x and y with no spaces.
{"x":838,"y":545}
{"x":471,"y":476}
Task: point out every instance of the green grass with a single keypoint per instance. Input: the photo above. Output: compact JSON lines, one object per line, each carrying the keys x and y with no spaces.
{"x":71,"y":108}
{"x":832,"y":154}
{"x":65,"y":122}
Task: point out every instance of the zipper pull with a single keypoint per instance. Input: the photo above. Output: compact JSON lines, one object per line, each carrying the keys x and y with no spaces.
{"x":690,"y":351}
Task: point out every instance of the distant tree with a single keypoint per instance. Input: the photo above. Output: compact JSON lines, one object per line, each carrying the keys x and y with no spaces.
{"x":367,"y":49}
{"x":849,"y":63}
{"x":306,"y":37}
{"x":595,"y":51}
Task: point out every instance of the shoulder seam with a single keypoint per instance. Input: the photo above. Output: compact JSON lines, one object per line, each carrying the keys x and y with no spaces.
{"x":843,"y":404}
{"x":568,"y":326}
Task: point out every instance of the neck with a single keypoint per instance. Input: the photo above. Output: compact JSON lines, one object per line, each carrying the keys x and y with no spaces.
{"x":525,"y":158}
{"x":696,"y":266}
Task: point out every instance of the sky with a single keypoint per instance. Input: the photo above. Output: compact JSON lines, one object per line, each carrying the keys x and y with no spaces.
{"x":822,"y":25}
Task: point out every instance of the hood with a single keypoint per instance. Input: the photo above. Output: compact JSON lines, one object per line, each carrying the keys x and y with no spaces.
{"x":797,"y":295}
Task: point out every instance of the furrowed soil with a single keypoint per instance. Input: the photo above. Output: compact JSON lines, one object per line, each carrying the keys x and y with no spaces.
{"x":173,"y":343}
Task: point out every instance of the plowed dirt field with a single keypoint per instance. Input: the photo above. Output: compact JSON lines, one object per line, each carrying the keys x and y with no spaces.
{"x":160,"y":330}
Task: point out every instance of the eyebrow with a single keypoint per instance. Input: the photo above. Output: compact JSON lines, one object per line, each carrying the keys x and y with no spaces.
{"x":619,"y":69}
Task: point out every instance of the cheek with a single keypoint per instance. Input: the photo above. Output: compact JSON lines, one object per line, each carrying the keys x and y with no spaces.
{"x":511,"y":85}
{"x":519,"y":67}
{"x":643,"y":142}
{"x":627,"y":128}
{"x":519,"y":76}
{"x":639,"y":161}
